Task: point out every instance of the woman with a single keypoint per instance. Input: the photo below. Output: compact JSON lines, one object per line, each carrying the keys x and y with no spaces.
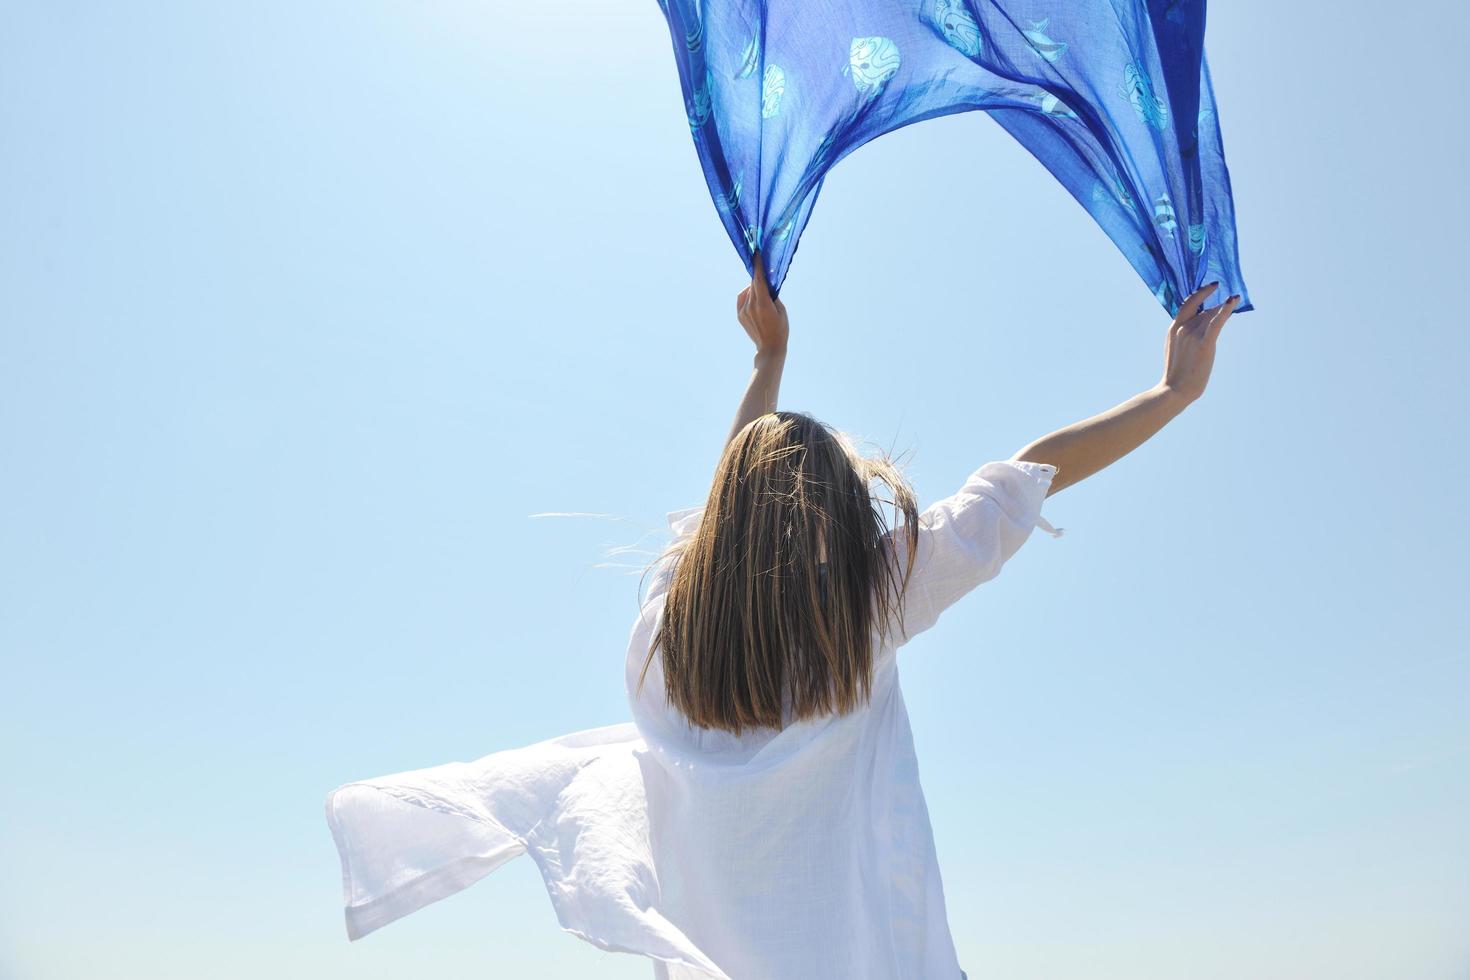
{"x":762,"y":817}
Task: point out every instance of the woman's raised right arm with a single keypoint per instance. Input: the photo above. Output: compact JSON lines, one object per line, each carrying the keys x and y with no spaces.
{"x":1083,"y":448}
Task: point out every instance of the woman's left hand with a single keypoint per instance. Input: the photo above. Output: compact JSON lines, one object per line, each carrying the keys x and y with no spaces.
{"x":764,"y":318}
{"x":762,"y":315}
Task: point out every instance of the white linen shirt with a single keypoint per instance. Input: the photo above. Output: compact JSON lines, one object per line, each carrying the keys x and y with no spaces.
{"x":798,"y":854}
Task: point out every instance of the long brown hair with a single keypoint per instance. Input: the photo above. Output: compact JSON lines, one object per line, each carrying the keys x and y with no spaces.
{"x":755,"y":622}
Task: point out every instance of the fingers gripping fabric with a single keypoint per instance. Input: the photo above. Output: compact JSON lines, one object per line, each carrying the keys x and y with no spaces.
{"x":1113,"y":98}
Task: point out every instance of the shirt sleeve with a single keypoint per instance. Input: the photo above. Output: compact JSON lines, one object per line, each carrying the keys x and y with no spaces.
{"x":682,"y":524}
{"x":964,"y":539}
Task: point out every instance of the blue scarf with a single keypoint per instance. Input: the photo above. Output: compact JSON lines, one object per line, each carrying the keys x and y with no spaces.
{"x":1113,"y":98}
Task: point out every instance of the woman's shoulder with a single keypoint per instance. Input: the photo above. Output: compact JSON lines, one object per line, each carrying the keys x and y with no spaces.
{"x":683,"y":523}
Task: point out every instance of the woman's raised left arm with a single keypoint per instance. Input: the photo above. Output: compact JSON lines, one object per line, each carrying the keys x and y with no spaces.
{"x":764,"y":318}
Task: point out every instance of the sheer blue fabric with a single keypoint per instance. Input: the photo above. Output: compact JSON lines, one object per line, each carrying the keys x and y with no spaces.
{"x":1112,"y":96}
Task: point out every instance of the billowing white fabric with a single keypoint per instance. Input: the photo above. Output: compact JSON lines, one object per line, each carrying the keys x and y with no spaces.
{"x":800,"y":853}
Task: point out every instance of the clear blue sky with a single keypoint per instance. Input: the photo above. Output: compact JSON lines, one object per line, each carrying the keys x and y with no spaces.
{"x":305,"y":307}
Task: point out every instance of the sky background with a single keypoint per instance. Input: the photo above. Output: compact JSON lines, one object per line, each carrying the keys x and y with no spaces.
{"x":305,"y":307}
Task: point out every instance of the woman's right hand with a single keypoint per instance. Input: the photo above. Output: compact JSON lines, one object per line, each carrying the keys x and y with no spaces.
{"x":1083,"y":448}
{"x":1189,"y":349}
